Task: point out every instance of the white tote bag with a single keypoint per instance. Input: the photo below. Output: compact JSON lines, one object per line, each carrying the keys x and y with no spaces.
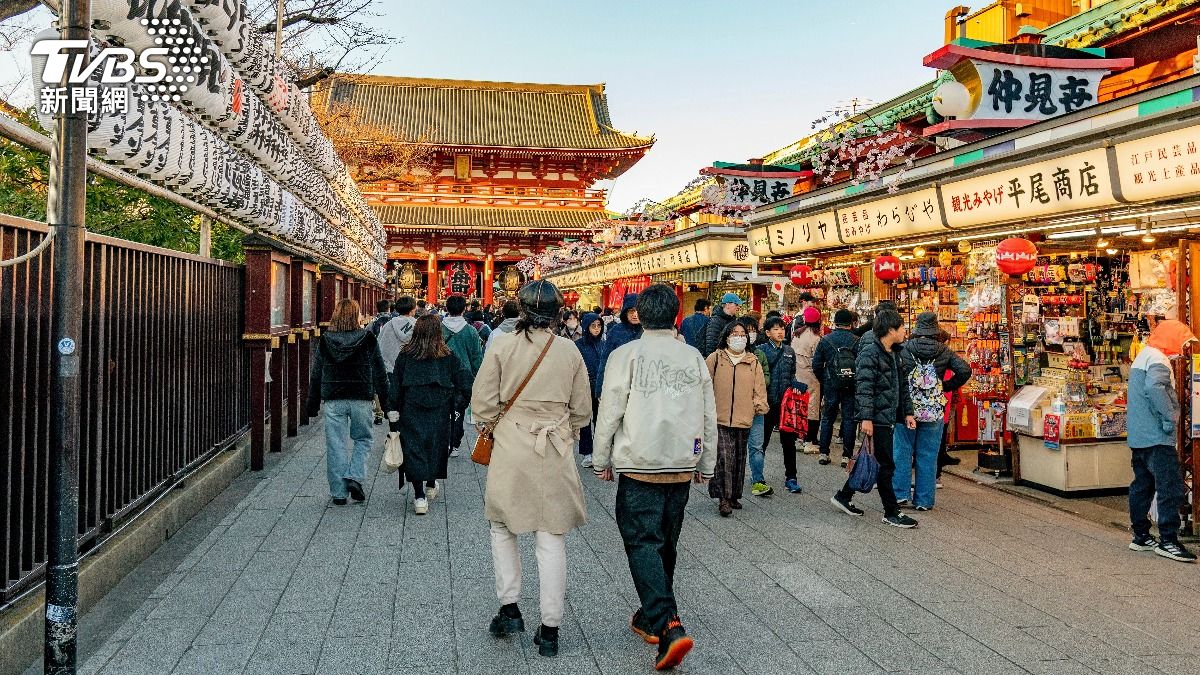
{"x":393,"y":453}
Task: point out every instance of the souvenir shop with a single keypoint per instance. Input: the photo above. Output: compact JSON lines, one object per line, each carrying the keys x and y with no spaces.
{"x":1046,"y":290}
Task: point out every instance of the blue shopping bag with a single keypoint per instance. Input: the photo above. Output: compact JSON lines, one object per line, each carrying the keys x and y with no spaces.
{"x":863,"y":468}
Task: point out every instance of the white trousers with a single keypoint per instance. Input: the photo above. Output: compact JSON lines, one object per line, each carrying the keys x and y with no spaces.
{"x":552,"y":571}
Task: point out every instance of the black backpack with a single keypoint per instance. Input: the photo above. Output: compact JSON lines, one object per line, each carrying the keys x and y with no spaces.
{"x":843,"y":369}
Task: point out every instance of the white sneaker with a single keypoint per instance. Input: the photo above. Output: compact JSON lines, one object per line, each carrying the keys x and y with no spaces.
{"x":431,"y":493}
{"x":809,"y":448}
{"x":587,"y":462}
{"x":421,"y":506}
{"x":454,"y":452}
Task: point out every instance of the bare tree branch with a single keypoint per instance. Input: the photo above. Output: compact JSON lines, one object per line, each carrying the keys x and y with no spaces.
{"x":293,"y":19}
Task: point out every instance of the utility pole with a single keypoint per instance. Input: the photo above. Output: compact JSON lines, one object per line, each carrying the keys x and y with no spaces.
{"x":205,"y":247}
{"x":66,"y":211}
{"x":278,"y":30}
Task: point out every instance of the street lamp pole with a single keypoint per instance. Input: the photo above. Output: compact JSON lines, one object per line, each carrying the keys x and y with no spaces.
{"x":66,"y":211}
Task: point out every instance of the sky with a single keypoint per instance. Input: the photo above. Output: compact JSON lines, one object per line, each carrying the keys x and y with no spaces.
{"x":712,"y":81}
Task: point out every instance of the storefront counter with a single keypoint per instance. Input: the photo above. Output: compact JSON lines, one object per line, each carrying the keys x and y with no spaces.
{"x":1077,"y":465}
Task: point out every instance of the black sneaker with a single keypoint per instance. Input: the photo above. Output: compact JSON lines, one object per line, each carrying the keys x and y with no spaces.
{"x":823,"y":460}
{"x":506,"y":623}
{"x":1175,"y":551}
{"x":922,"y":508}
{"x":1143,"y":542}
{"x":673,"y":645}
{"x":339,"y":502}
{"x":355,"y":490}
{"x":951,"y":460}
{"x":378,"y":421}
{"x":638,"y":624}
{"x":547,"y":641}
{"x":847,"y":506}
{"x":900,"y":520}
{"x":903,"y":503}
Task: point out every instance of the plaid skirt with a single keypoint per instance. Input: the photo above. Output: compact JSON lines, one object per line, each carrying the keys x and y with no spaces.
{"x":730,"y":475}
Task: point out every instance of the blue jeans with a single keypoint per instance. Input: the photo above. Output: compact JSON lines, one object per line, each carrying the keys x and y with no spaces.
{"x":347,"y":418}
{"x":757,"y":451}
{"x":923,"y":443}
{"x":1156,"y":469}
{"x":832,"y":403}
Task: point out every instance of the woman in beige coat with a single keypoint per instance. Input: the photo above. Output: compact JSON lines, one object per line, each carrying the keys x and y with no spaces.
{"x":804,"y":343}
{"x":533,"y":483}
{"x":740,"y":391}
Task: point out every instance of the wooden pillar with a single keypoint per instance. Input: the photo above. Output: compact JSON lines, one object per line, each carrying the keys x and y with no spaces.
{"x":258,"y":406}
{"x":266,"y":318}
{"x":431,"y":292}
{"x":329,"y":294}
{"x":278,"y":385}
{"x":297,"y":379}
{"x":757,"y":293}
{"x":489,"y":278}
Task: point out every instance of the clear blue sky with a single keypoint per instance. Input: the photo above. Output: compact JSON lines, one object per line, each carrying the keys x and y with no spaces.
{"x":712,"y":80}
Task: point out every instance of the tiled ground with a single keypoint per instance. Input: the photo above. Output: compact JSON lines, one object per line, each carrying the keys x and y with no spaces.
{"x":989,"y":583}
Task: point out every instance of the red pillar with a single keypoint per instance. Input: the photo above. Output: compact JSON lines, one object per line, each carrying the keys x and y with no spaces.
{"x":489,"y":278}
{"x":431,"y":271}
{"x":679,"y":296}
{"x":757,"y":293}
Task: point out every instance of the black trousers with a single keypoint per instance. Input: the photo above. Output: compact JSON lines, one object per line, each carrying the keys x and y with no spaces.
{"x":650,"y":516}
{"x":786,"y":439}
{"x":882,"y":442}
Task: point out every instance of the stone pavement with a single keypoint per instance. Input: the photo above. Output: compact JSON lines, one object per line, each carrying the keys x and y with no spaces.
{"x":272,"y":579}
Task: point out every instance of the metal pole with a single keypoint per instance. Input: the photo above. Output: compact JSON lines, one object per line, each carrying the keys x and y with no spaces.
{"x":278,"y":29}
{"x":66,"y":208}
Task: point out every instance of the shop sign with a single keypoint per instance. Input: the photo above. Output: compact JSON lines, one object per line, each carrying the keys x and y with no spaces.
{"x":759,"y":240}
{"x":1070,"y":183}
{"x":670,"y":260}
{"x":912,"y":213}
{"x":803,"y":234}
{"x":630,"y":267}
{"x":1163,"y":165}
{"x":748,"y":193}
{"x":1020,"y":93}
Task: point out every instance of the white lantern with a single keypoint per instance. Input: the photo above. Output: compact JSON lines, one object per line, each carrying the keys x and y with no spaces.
{"x":951,"y":99}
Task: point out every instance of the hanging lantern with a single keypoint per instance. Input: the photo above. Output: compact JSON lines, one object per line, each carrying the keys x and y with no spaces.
{"x":1016,"y":256}
{"x":946,"y":258}
{"x":887,"y":268}
{"x":801,"y":275}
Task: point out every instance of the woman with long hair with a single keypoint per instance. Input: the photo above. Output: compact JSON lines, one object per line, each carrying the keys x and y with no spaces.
{"x":347,"y":374}
{"x":532,"y":481}
{"x":740,"y":390}
{"x":428,"y":384}
{"x":804,"y":342}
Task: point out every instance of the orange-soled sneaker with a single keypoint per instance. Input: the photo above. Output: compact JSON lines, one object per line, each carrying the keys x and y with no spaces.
{"x":673,"y":645}
{"x":637,"y":623}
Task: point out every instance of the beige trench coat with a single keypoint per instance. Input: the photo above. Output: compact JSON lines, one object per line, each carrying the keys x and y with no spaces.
{"x":532,"y":482}
{"x":805,"y":346}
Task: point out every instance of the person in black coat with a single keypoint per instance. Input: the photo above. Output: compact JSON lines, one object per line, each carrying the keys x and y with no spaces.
{"x":347,"y":374}
{"x":428,"y":386}
{"x":721,"y":317}
{"x":593,"y":348}
{"x":837,"y":395}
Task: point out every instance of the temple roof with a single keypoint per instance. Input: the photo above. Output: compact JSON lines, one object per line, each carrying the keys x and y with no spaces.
{"x":475,"y":217}
{"x":488,"y":114}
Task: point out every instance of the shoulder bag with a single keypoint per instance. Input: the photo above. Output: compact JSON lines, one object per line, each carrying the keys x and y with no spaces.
{"x":482,"y":454}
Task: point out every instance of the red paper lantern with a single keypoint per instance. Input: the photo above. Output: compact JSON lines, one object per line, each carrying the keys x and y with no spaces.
{"x":1016,"y":256}
{"x":887,"y":268}
{"x":801,"y":275}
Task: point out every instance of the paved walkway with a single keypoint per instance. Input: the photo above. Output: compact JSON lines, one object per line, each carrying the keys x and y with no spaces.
{"x":271,"y":579}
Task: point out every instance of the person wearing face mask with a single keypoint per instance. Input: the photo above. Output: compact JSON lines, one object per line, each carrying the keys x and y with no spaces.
{"x":740,"y":390}
{"x":1153,"y":412}
{"x":591,"y":347}
{"x":569,"y":327}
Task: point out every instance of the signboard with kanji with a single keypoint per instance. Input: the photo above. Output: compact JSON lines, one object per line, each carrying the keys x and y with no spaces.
{"x":1069,"y":183}
{"x":1014,"y":92}
{"x":743,"y":192}
{"x":898,"y":216}
{"x":1163,"y":165}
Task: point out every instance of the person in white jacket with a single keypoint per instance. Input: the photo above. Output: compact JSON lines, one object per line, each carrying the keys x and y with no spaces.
{"x":657,"y":428}
{"x":396,"y":333}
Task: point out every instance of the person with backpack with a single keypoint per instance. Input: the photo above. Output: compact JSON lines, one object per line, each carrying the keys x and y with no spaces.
{"x":804,"y":343}
{"x":692,"y":327}
{"x":781,"y":373}
{"x":833,"y":365}
{"x":463,"y":340}
{"x":924,"y":363}
{"x":881,"y":402}
{"x":740,"y":389}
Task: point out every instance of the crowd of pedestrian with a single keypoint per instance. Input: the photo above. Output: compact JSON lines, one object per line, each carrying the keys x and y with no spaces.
{"x":662,"y":403}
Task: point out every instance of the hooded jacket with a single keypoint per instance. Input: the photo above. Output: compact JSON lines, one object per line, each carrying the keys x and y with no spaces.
{"x":392,"y":338}
{"x":780,"y":369}
{"x":657,"y":412}
{"x":824,"y":361}
{"x":693,"y":329}
{"x":505,"y":326}
{"x":462,"y":339}
{"x":878,"y":394}
{"x":740,"y":390}
{"x":1153,"y":407}
{"x":925,"y":349}
{"x":346,"y":365}
{"x":624,"y":332}
{"x":592,"y":349}
{"x":712,"y":332}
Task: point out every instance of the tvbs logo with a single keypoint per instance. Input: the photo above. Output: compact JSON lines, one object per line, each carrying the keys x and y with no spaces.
{"x":110,"y":66}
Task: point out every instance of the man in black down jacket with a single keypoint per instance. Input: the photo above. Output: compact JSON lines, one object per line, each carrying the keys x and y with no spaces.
{"x":881,"y":402}
{"x":836,"y":396}
{"x":722,"y":317}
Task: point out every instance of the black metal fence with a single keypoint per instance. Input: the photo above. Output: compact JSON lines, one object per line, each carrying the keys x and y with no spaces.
{"x":165,"y":384}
